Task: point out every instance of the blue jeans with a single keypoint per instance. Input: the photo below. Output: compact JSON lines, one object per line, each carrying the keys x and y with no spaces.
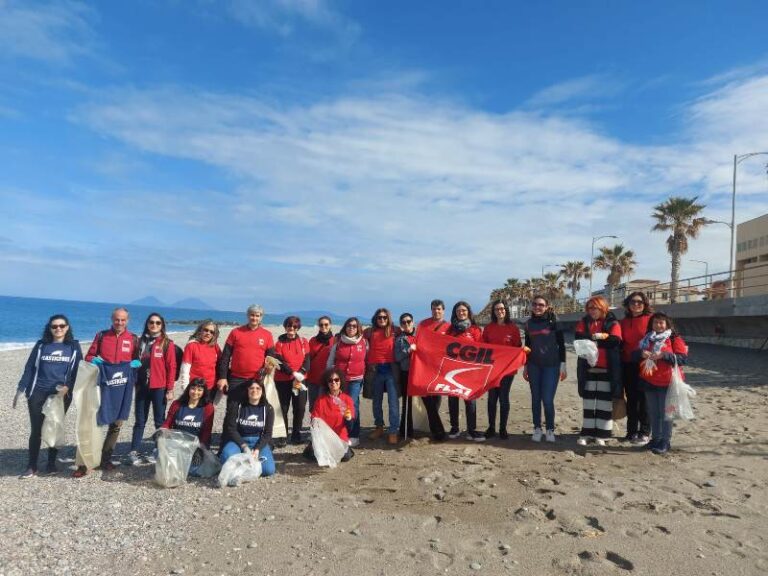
{"x":144,"y":397}
{"x":353,"y":389}
{"x":500,"y":395}
{"x":265,"y":454}
{"x":655,"y":398}
{"x":543,"y":381}
{"x":385,"y":380}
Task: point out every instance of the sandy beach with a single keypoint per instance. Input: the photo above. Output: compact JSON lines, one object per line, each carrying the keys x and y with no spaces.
{"x":459,"y":507}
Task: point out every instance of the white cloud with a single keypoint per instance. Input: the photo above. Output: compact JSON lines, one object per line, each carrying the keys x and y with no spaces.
{"x":592,"y":87}
{"x":54,"y":32}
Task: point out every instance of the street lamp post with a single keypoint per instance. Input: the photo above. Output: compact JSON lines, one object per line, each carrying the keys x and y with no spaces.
{"x":592,"y":260}
{"x":706,"y":271}
{"x":737,"y":159}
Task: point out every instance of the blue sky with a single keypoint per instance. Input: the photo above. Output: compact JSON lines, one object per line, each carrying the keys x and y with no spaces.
{"x":346,"y":155}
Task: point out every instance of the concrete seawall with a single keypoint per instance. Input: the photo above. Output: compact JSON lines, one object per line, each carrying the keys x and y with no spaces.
{"x":740,"y":322}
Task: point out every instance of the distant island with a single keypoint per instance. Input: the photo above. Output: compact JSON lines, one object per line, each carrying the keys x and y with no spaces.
{"x":188,"y":303}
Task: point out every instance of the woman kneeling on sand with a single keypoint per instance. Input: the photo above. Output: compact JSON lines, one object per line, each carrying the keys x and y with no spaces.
{"x":601,"y":383}
{"x":248,"y":426}
{"x":335,"y":409}
{"x":658,"y":353}
{"x":193,"y":413}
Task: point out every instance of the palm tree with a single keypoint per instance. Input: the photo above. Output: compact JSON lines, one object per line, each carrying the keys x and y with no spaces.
{"x":574,"y":271}
{"x":552,"y":285}
{"x":681,"y":217}
{"x":618,"y":262}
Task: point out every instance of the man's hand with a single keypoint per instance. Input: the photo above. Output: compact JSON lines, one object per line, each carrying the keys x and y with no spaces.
{"x":222,"y":384}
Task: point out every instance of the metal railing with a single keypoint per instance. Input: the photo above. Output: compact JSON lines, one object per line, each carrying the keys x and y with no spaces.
{"x":750,"y":280}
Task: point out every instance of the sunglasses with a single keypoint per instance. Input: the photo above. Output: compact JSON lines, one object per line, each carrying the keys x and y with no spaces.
{"x":297,"y":326}
{"x":58,"y":326}
{"x":208,"y":331}
{"x":324,"y":325}
{"x":382,"y":318}
{"x":406,"y":321}
{"x":636,"y":302}
{"x":153,"y":322}
{"x":538,"y":305}
{"x":335,"y":380}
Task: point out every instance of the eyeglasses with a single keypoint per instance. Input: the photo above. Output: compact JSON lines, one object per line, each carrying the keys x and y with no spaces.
{"x":151,"y":322}
{"x":351,"y":325}
{"x":636,"y":302}
{"x":208,"y":331}
{"x":297,"y":326}
{"x":382,"y":318}
{"x":58,"y":326}
{"x":539,"y":305}
{"x":335,"y":380}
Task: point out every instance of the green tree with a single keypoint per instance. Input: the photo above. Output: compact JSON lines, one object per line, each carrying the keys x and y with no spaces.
{"x":618,"y":262}
{"x":681,"y":217}
{"x":573,"y":271}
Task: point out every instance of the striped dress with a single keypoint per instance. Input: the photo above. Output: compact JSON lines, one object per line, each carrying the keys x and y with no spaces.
{"x":597,"y":397}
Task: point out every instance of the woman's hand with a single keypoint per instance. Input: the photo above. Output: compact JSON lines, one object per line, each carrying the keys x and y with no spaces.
{"x":412,"y":347}
{"x":599,"y":336}
{"x":563,"y":371}
{"x":62,"y":390}
{"x":169,"y":395}
{"x":19,"y":394}
{"x":646,"y":354}
{"x":525,"y":374}
{"x":656,"y":356}
{"x":244,"y":448}
{"x":347,"y":414}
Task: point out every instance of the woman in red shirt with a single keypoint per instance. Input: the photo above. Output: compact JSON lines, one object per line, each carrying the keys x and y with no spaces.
{"x":664,"y":348}
{"x":335,"y":408}
{"x":320,"y":346}
{"x":293,"y":351}
{"x":201,"y":355}
{"x":381,"y":357}
{"x":634,"y":326}
{"x":601,"y":383}
{"x":463,"y":326}
{"x":502,"y":330}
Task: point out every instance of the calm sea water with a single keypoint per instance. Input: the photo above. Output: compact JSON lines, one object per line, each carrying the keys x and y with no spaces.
{"x":22,"y":319}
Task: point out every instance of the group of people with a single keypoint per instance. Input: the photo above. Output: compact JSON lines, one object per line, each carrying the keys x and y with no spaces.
{"x":328,"y":372}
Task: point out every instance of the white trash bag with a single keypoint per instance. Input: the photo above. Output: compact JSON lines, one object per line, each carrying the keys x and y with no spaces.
{"x":53,"y":426}
{"x":677,"y":405}
{"x":270,"y":391}
{"x":239,"y":468}
{"x":86,"y":398}
{"x":209,"y":465}
{"x":586,"y":349}
{"x":329,"y":449}
{"x":174,"y":455}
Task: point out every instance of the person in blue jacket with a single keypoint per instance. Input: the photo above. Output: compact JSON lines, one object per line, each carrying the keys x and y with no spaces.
{"x":51,"y":369}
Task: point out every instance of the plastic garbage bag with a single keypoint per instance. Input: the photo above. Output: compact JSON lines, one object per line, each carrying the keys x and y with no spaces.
{"x":174,"y":456}
{"x":586,"y":349}
{"x":329,"y":449}
{"x":53,"y":426}
{"x":208,"y":465}
{"x":239,"y":468}
{"x":86,"y":396}
{"x":278,"y":428}
{"x":678,"y":402}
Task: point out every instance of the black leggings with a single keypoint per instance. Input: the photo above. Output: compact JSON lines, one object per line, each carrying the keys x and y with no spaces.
{"x":35,"y":404}
{"x":299,"y":401}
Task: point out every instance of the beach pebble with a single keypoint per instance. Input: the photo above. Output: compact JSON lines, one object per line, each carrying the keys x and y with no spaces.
{"x":253,"y":545}
{"x":355,"y":532}
{"x":476,"y":566}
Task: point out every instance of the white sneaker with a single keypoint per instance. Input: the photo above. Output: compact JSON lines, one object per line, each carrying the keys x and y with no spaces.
{"x":599,"y":441}
{"x":550,"y":435}
{"x":151,"y":458}
{"x":537,"y":434}
{"x":581,"y":441}
{"x":354,"y":442}
{"x":134,"y":458}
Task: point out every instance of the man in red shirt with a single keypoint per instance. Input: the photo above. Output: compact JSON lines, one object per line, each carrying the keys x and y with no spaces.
{"x":113,"y":346}
{"x":436,"y":323}
{"x":244,"y":352}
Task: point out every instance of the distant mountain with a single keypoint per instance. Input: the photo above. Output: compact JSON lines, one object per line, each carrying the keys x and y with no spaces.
{"x":309,"y":316}
{"x":192,"y":304}
{"x":148,"y":301}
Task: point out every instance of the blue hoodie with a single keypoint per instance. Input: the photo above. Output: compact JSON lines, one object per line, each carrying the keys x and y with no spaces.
{"x":50,"y":365}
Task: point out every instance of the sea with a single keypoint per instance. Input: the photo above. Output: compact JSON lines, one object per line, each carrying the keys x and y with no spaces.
{"x":22,"y":319}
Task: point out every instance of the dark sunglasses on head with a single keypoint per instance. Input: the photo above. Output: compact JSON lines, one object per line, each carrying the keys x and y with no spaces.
{"x":58,"y":326}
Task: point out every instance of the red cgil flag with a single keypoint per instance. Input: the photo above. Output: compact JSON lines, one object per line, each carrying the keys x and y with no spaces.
{"x":448,"y":366}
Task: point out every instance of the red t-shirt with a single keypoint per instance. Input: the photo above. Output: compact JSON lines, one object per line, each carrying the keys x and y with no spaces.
{"x":441,"y":326}
{"x":633,"y":329}
{"x":202,"y":360}
{"x":318,"y":358}
{"x":504,"y":334}
{"x":472,"y":333}
{"x":331,"y":411}
{"x":249,"y":348}
{"x":380,"y":348}
{"x":293,"y":352}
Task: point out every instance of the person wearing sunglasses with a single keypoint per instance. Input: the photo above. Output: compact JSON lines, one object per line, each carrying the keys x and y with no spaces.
{"x":50,"y":369}
{"x":113,"y":346}
{"x":634,"y":326}
{"x":335,"y":408}
{"x":201,"y":355}
{"x":544,"y":366}
{"x":381,"y":361}
{"x":464,"y":326}
{"x":154,"y":382}
{"x":504,"y":331}
{"x":601,"y":383}
{"x":348,"y":357}
{"x":405,"y":343}
{"x":293,"y":352}
{"x":320,"y":346}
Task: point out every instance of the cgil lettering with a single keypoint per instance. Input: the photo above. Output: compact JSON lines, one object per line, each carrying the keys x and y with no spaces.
{"x":469,"y":353}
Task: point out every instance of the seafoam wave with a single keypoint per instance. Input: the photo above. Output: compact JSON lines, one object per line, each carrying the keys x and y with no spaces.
{"x":15,"y":345}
